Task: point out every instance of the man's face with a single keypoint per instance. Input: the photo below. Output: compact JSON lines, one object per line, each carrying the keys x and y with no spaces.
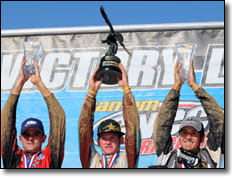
{"x":32,"y":140}
{"x":109,"y":143}
{"x":190,"y":139}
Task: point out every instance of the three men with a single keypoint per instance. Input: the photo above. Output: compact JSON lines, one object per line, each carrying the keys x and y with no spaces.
{"x":110,"y":136}
{"x":109,"y":131}
{"x":32,"y":131}
{"x":191,"y":131}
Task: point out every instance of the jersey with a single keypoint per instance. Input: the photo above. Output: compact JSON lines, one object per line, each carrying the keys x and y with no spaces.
{"x":40,"y":159}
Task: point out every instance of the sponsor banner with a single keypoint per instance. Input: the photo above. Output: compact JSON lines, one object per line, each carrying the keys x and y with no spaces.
{"x":71,"y":59}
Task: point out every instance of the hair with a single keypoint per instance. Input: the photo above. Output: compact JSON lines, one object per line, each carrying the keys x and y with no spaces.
{"x":202,"y":131}
{"x":118,"y":134}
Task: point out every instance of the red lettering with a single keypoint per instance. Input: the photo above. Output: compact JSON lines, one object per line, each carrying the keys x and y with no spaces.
{"x":146,"y":147}
{"x":152,"y":150}
{"x":177,"y":146}
{"x":174,"y":140}
{"x":202,"y":145}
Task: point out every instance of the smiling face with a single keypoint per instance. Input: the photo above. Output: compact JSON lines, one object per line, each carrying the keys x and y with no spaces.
{"x":32,"y":140}
{"x":109,"y":143}
{"x":190,"y":139}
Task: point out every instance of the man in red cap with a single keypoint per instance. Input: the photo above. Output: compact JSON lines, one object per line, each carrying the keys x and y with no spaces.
{"x":109,"y":131}
{"x":191,"y":131}
{"x":32,"y":132}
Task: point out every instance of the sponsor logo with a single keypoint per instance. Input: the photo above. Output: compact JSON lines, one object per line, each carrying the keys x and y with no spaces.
{"x":40,"y":157}
{"x":31,"y":122}
{"x":35,"y":165}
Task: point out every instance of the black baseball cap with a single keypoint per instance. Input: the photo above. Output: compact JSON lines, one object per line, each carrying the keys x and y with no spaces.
{"x":109,"y":126}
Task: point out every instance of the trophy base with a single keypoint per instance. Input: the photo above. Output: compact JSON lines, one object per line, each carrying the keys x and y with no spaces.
{"x":109,"y":69}
{"x":110,"y":75}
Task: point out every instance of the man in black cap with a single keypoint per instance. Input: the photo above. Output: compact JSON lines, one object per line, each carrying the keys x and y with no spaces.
{"x":191,"y":131}
{"x":109,"y":131}
{"x":32,"y":131}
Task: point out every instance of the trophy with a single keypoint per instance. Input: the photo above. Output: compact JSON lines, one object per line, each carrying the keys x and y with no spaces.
{"x":108,"y":68}
{"x":32,"y":51}
{"x":184,"y":52}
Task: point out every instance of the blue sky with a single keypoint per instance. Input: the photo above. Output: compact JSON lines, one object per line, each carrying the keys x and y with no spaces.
{"x":50,"y":14}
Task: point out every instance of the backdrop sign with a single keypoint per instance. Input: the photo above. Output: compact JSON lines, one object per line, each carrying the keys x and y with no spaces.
{"x":70,"y":60}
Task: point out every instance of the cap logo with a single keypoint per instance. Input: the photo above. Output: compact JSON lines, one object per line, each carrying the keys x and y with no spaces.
{"x":112,"y":127}
{"x":191,"y":119}
{"x":31,"y":122}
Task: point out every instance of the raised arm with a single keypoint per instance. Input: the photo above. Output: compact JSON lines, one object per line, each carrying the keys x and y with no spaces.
{"x":85,"y":123}
{"x":214,"y":113}
{"x":131,"y":119}
{"x":166,"y":115}
{"x":56,"y":139}
{"x":9,"y":145}
{"x":8,"y":133}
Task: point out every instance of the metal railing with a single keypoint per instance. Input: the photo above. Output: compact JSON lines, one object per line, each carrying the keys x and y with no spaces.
{"x":118,"y":28}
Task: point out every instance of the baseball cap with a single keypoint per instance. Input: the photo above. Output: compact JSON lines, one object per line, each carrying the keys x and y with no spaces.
{"x":109,"y":126}
{"x":32,"y":123}
{"x":194,"y":122}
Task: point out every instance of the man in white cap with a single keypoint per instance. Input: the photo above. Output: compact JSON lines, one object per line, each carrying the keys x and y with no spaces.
{"x":191,"y":131}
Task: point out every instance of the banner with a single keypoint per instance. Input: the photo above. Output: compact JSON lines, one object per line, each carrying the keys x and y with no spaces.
{"x":70,"y":60}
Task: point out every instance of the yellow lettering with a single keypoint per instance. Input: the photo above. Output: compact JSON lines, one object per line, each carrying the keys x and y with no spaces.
{"x":148,"y":105}
{"x":116,"y":105}
{"x":137,"y":104}
{"x":102,"y":106}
